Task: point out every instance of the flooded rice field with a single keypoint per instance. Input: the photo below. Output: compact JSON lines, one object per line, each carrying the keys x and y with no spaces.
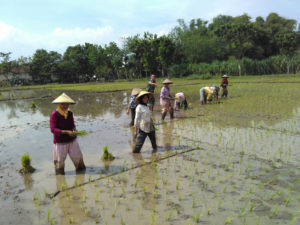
{"x":232,"y":162}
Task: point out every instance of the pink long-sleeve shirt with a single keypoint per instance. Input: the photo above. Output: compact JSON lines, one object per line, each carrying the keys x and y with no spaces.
{"x":59,"y":123}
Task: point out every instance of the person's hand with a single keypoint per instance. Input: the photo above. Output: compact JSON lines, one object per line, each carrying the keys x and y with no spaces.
{"x":135,"y":133}
{"x":127,"y":112}
{"x":71,"y":133}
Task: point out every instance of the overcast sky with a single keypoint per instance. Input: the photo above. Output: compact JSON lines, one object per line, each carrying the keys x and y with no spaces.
{"x":28,"y":25}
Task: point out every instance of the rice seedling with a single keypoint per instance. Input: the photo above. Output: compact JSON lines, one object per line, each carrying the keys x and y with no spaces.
{"x":197,"y":217}
{"x":33,"y":105}
{"x":106,"y":155}
{"x":229,"y":219}
{"x":180,"y":197}
{"x":37,"y":204}
{"x":86,"y":211}
{"x":26,"y":164}
{"x":287,"y":200}
{"x":48,"y":215}
{"x":169,"y":216}
{"x":122,"y":221}
{"x":97,"y":219}
{"x":194,"y":202}
{"x":96,"y":198}
{"x":153,"y":218}
{"x":34,"y":196}
{"x":273,"y":213}
{"x":83,"y":196}
{"x":81,"y":133}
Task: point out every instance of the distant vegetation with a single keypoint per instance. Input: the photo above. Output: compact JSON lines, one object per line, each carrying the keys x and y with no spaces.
{"x":233,"y":45}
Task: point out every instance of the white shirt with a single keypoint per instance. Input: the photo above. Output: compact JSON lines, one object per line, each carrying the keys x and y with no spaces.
{"x":180,"y":97}
{"x":143,"y":118}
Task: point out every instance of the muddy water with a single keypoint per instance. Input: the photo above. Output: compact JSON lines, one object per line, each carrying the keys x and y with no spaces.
{"x":245,"y":170}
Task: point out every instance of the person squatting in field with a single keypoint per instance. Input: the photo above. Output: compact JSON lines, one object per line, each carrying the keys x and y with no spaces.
{"x":133,"y":104}
{"x":180,"y":101}
{"x":143,"y":123}
{"x":165,"y":100}
{"x":208,"y":93}
{"x":64,"y":135}
{"x":150,"y":88}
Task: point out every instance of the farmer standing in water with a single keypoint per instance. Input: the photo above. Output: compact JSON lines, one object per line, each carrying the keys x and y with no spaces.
{"x":64,"y":135}
{"x":224,"y":85}
{"x":165,"y":100}
{"x":133,"y":104}
{"x":150,"y":88}
{"x":143,"y":123}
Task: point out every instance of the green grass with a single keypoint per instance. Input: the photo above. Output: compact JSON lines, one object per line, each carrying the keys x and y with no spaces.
{"x":142,"y":83}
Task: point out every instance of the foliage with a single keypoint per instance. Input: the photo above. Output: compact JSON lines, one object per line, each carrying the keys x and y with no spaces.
{"x":235,"y":45}
{"x":81,"y":132}
{"x":26,"y":164}
{"x":33,"y":105}
{"x":106,"y":155}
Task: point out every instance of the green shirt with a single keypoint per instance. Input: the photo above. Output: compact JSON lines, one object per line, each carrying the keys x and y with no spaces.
{"x":150,"y":87}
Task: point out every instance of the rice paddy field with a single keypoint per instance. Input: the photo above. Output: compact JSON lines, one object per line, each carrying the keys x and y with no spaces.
{"x":233,"y":161}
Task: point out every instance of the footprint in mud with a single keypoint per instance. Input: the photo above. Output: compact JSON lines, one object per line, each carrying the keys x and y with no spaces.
{"x":283,"y":215}
{"x":262,"y":210}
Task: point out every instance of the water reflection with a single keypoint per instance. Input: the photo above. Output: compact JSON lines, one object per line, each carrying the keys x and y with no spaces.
{"x":69,"y":201}
{"x":147,"y":181}
{"x":88,"y":105}
{"x":28,"y":181}
{"x":167,"y":137}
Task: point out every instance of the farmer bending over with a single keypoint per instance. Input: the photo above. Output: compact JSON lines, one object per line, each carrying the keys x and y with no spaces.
{"x":180,"y":100}
{"x":207,"y":94}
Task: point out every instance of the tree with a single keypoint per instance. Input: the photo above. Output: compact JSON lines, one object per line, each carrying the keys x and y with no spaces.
{"x":165,"y":53}
{"x":238,"y":36}
{"x":44,"y":65}
{"x":114,"y":59}
{"x":5,"y":66}
{"x":287,"y":43}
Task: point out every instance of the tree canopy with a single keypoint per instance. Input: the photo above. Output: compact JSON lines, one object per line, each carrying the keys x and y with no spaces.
{"x":194,"y":47}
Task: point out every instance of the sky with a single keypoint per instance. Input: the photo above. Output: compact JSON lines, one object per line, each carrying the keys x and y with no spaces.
{"x":53,"y":25}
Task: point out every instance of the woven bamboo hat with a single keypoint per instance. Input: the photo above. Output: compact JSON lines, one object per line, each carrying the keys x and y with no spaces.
{"x":167,"y":81}
{"x":142,"y":93}
{"x":135,"y":91}
{"x":224,"y":76}
{"x":63,"y":98}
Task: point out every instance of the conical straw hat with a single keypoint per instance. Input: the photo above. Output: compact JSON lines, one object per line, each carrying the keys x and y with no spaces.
{"x":224,"y":76}
{"x":167,"y":81}
{"x":135,"y":91}
{"x":141,"y":94}
{"x":63,"y":98}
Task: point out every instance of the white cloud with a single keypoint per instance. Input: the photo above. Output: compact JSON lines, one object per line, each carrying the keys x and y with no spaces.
{"x":68,"y":37}
{"x":22,"y":43}
{"x":6,"y":30}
